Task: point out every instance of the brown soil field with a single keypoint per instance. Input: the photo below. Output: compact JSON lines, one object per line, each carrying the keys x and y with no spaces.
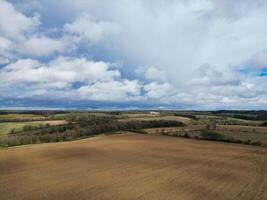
{"x":130,"y":166}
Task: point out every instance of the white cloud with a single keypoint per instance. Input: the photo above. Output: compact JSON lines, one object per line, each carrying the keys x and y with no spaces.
{"x":193,"y":49}
{"x":5,"y":47}
{"x":58,"y":73}
{"x":84,"y":27}
{"x":42,"y":46}
{"x":155,"y":90}
{"x":152,"y":73}
{"x":176,"y":36}
{"x":96,"y":80}
{"x":208,"y":75}
{"x":14,"y":24}
{"x":121,"y":91}
{"x":22,"y":35}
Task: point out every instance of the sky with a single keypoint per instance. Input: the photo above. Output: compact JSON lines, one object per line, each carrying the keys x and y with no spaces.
{"x":142,"y":54}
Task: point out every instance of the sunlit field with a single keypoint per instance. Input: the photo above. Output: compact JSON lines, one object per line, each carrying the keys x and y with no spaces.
{"x":134,"y":166}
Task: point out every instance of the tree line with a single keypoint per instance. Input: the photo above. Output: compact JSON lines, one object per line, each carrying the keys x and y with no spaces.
{"x":215,"y":136}
{"x":78,"y":128}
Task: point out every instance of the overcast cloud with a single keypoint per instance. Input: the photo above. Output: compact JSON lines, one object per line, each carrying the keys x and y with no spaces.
{"x":195,"y":54}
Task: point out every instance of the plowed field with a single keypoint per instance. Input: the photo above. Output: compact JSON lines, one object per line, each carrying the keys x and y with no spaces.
{"x":131,"y":166}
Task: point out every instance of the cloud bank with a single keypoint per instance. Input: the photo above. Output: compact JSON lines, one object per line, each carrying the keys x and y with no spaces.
{"x":196,"y":54}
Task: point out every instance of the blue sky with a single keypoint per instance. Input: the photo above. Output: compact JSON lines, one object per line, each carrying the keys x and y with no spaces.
{"x":195,"y":54}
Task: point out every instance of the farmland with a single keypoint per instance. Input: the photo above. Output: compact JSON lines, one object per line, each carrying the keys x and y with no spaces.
{"x":133,"y":100}
{"x":6,"y":127}
{"x":151,"y":117}
{"x":134,"y":166}
{"x":240,"y":133}
{"x":235,"y":127}
{"x":21,"y":116}
{"x":133,"y":155}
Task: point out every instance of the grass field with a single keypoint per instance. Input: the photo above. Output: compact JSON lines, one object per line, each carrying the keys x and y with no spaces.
{"x":204,"y":119}
{"x":21,"y":116}
{"x":155,"y":117}
{"x":133,"y":166}
{"x":7,"y":126}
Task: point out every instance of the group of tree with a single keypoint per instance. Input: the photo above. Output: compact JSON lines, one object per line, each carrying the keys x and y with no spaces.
{"x":81,"y":127}
{"x":206,"y":134}
{"x":194,"y":117}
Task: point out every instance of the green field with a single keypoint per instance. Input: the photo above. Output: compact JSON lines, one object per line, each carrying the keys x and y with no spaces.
{"x":7,"y":126}
{"x":155,"y":117}
{"x":193,"y":124}
{"x":204,"y":119}
{"x":21,"y":116}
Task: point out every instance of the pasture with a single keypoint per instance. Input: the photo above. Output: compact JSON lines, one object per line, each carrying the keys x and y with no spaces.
{"x":6,"y":127}
{"x":20,"y":116}
{"x":134,"y":117}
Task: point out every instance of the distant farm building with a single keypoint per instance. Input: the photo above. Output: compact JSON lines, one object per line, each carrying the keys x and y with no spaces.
{"x":154,"y":113}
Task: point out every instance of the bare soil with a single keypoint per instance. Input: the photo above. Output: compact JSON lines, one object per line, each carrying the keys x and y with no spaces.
{"x":131,"y":166}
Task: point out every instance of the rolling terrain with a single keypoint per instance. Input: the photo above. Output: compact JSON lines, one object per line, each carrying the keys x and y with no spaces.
{"x":131,"y":166}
